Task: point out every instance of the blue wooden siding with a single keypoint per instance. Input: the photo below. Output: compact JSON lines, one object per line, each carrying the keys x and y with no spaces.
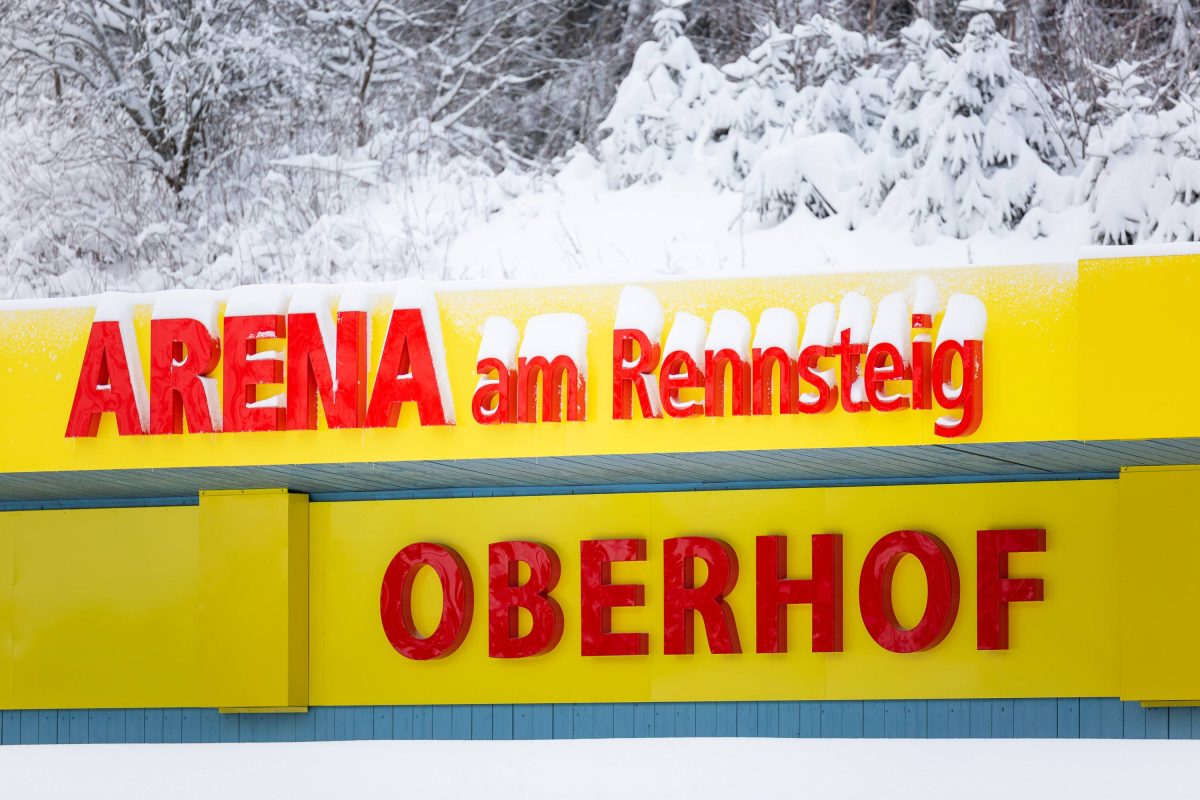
{"x":1089,"y":718}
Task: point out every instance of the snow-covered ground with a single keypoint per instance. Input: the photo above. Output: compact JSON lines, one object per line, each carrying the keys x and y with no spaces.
{"x":698,"y":769}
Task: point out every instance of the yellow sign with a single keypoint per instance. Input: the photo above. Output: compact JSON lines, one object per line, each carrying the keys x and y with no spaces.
{"x":1050,"y":331}
{"x":138,"y":607}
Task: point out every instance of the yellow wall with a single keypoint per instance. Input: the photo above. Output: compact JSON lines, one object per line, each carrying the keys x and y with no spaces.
{"x":194,"y":606}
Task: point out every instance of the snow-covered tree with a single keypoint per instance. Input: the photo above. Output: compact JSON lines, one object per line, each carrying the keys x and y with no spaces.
{"x":1181,"y":221}
{"x":659,"y":108}
{"x":901,"y":144}
{"x":989,"y":146}
{"x":1125,"y":182}
{"x":847,"y":87}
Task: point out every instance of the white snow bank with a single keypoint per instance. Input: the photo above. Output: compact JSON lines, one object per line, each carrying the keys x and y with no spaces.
{"x":778,"y":327}
{"x":247,"y":301}
{"x":854,"y":315}
{"x":698,"y":769}
{"x":554,"y":335}
{"x":687,"y":334}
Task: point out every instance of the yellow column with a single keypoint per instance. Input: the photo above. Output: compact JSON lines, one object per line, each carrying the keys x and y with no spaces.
{"x":7,"y":576}
{"x":1158,"y":557}
{"x":254,"y":599}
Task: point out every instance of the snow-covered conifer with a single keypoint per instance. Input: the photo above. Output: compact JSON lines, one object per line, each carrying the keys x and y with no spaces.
{"x":987,"y":148}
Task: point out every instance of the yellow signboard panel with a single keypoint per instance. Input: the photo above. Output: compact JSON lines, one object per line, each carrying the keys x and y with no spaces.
{"x":125,"y":607}
{"x":1035,"y":376}
{"x":1064,"y":645}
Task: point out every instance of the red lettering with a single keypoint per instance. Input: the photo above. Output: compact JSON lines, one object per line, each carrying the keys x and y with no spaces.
{"x":774,"y":592}
{"x":825,"y":400}
{"x":182,"y":354}
{"x":765,"y":362}
{"x":552,"y":374}
{"x":495,"y":399}
{"x":406,"y":374}
{"x":996,"y":589}
{"x":850,"y":353}
{"x":507,"y":596}
{"x":245,"y":369}
{"x":395,"y":601}
{"x":922,"y":359}
{"x":682,"y":598}
{"x":309,"y":373}
{"x":875,"y":591}
{"x":599,"y":596}
{"x":630,"y":376}
{"x":105,"y":385}
{"x":968,"y":396}
{"x":884,"y":363}
{"x":674,"y":381}
{"x":715,"y":364}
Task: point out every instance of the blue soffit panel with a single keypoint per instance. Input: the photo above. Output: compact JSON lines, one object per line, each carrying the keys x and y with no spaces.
{"x":941,"y":463}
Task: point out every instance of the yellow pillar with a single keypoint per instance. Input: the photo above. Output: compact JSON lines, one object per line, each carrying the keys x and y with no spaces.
{"x":1159,"y":561}
{"x":254,"y":599}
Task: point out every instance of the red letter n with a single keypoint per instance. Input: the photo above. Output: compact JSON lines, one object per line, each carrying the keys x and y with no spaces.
{"x":342,"y":387}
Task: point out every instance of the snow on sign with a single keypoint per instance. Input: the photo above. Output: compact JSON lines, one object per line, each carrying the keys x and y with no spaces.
{"x":214,"y":378}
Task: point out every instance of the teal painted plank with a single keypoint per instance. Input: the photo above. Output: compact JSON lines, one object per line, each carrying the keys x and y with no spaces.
{"x":1157,"y":726}
{"x":422,"y":722}
{"x":831,"y":718}
{"x":916,"y":719}
{"x":1179,"y":723}
{"x":306,"y":726}
{"x":63,"y":734}
{"x":685,"y":719}
{"x":190,"y":725}
{"x":789,"y":719}
{"x":502,"y":722}
{"x":981,"y":719}
{"x":727,"y":719}
{"x":323,"y":719}
{"x":443,"y":722}
{"x":768,"y":719}
{"x":172,"y":725}
{"x":522,"y":721}
{"x":1046,"y":718}
{"x":1134,"y":721}
{"x":135,"y":725}
{"x":460,"y":722}
{"x":228,"y":726}
{"x":10,"y":727}
{"x":115,"y":724}
{"x":1068,"y":718}
{"x":402,"y":723}
{"x":852,"y":718}
{"x":603,"y":721}
{"x":1003,"y":722}
{"x":643,"y":720}
{"x":1025,"y":718}
{"x":382,"y":720}
{"x":1091,"y":722}
{"x":543,"y":722}
{"x":893,"y":719}
{"x":939,"y":719}
{"x":959,"y":719}
{"x":287,"y":726}
{"x":583,"y":726}
{"x":1112,"y":718}
{"x":78,"y":726}
{"x":47,"y":727}
{"x":706,"y":719}
{"x":564,"y":721}
{"x":343,"y":723}
{"x":153,"y":725}
{"x":664,"y":719}
{"x":747,"y":719}
{"x":481,"y":722}
{"x":363,"y":725}
{"x":810,"y":720}
{"x":874,"y":719}
{"x":623,"y":720}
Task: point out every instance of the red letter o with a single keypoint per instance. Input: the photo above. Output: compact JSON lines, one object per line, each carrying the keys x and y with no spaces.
{"x":875,"y":591}
{"x":395,"y":601}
